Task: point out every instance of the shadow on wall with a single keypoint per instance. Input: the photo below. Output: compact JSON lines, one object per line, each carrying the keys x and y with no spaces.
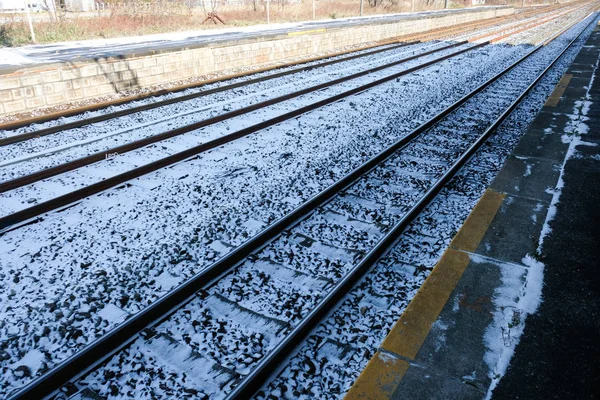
{"x":125,"y":78}
{"x":121,"y":80}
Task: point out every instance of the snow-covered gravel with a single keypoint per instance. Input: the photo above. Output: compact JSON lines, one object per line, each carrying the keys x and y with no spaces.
{"x":138,"y":121}
{"x":138,"y":242}
{"x":274,"y":290}
{"x":183,"y":114}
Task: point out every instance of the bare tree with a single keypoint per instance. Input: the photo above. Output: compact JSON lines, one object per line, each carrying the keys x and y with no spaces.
{"x":50,"y":7}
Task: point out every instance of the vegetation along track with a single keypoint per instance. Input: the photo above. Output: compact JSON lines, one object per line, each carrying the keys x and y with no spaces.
{"x":43,"y":205}
{"x":342,"y":231}
{"x":304,"y":65}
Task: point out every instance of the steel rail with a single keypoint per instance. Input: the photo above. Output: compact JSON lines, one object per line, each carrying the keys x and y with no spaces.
{"x":415,"y":38}
{"x":104,"y":347}
{"x":267,"y":365}
{"x":119,"y":337}
{"x":117,"y":180}
{"x":137,"y":144}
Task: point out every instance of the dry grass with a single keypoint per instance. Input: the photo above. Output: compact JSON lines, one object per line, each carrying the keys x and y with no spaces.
{"x":16,"y":32}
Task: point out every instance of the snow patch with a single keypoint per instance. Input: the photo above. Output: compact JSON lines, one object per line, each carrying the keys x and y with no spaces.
{"x":386,"y":358}
{"x":519,"y":294}
{"x":33,"y":360}
{"x":166,"y":281}
{"x":112,"y":313}
{"x":471,"y":377}
{"x":440,"y":328}
{"x":573,"y":141}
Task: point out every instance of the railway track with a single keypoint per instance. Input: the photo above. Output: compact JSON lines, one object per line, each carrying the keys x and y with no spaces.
{"x":304,"y":65}
{"x":318,"y":251}
{"x":48,"y":201}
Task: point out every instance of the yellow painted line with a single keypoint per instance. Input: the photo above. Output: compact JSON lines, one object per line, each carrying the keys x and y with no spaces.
{"x":409,"y":333}
{"x":321,"y":30}
{"x":380,"y":378}
{"x":384,"y":372}
{"x":470,"y":234}
{"x":558,"y":91}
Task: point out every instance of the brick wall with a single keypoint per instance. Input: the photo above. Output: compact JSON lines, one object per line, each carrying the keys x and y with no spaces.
{"x":32,"y":88}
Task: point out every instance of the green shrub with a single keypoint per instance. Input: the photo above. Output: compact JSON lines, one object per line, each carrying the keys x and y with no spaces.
{"x":14,"y":34}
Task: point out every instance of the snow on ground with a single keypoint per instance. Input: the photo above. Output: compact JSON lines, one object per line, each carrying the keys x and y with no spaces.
{"x":518,"y":296}
{"x":180,"y":219}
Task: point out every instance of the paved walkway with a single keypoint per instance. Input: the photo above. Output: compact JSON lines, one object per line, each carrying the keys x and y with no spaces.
{"x":558,"y":356}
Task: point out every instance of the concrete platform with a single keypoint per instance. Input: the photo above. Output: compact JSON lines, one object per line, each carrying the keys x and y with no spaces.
{"x":456,"y":338}
{"x":49,"y":76}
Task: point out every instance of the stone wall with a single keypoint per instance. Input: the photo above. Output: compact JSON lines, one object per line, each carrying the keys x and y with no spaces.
{"x":31,"y":88}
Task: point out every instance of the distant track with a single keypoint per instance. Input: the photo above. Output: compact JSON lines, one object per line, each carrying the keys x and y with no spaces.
{"x":100,"y":156}
{"x":120,"y":179}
